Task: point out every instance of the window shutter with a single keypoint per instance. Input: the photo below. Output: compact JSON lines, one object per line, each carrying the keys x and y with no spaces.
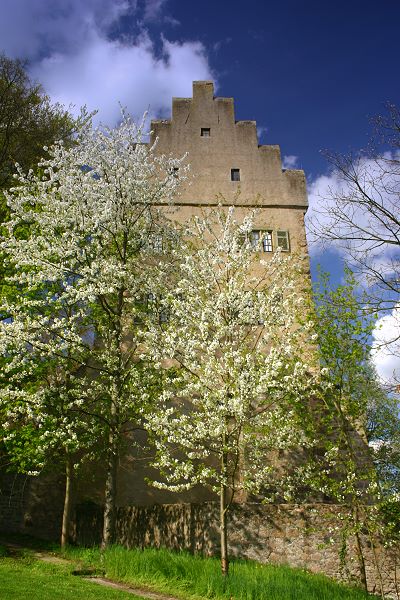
{"x":282,"y":240}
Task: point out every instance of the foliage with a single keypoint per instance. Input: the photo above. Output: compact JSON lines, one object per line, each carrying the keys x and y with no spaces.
{"x":383,"y":433}
{"x":359,"y":215}
{"x":28,"y":121}
{"x":243,"y":375}
{"x":353,"y":466}
{"x":81,"y":276}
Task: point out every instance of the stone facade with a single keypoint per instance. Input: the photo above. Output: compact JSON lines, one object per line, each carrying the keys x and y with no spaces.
{"x":278,"y":196}
{"x":306,"y":536}
{"x":204,"y":129}
{"x":31,"y":505}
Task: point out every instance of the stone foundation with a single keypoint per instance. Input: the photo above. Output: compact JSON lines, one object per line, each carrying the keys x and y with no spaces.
{"x":306,"y":536}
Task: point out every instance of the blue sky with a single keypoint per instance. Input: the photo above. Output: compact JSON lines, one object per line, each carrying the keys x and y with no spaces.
{"x":311,"y":73}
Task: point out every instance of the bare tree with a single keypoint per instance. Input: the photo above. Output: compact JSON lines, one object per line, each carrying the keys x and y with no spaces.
{"x":360,"y":213}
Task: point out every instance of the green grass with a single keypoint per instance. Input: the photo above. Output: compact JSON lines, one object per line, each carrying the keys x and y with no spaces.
{"x":24,"y":578}
{"x":184,"y":575}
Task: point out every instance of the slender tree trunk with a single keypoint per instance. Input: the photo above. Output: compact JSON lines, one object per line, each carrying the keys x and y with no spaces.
{"x":223,"y":519}
{"x":69,"y":468}
{"x":110,"y":492}
{"x":378,"y":569}
{"x":359,"y":550}
{"x":223,"y":533}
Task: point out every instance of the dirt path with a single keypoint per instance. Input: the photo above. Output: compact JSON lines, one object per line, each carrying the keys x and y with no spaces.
{"x":132,"y":590}
{"x":16,"y":549}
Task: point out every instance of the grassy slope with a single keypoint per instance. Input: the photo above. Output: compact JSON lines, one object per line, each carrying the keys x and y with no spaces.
{"x":184,"y":575}
{"x":25,"y":578}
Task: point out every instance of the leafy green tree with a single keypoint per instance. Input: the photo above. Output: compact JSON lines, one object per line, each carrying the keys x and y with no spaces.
{"x":356,"y":463}
{"x":383,"y":432}
{"x":28,"y":121}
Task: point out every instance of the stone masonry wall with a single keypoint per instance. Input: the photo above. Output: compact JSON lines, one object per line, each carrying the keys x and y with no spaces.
{"x":31,"y":505}
{"x":305,"y":536}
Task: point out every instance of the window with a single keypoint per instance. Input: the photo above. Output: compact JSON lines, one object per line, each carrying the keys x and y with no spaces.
{"x":155,"y":243}
{"x":267,"y":241}
{"x":235,"y":174}
{"x":158,"y":308}
{"x":255,"y":239}
{"x":164,"y":315}
{"x":282,"y":240}
{"x":260,"y":239}
{"x":205,"y":132}
{"x":150,"y":299}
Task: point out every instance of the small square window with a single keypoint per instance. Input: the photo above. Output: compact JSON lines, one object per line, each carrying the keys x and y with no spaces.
{"x":235,"y":174}
{"x":205,"y":132}
{"x":282,"y":240}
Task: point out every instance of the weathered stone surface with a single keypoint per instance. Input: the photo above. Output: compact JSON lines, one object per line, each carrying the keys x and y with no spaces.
{"x":31,"y":505}
{"x":305,"y":536}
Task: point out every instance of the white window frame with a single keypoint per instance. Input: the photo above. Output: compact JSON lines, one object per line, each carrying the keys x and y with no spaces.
{"x":258,"y":237}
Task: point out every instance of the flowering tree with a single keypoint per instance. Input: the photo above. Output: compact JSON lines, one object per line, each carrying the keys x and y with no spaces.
{"x":96,"y":217}
{"x":42,"y":420}
{"x":239,"y":392}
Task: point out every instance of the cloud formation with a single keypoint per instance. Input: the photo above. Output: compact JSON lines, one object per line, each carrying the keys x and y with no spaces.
{"x":386,"y":346}
{"x":336,"y":205}
{"x":361,"y":212}
{"x":290,"y":162}
{"x":74,"y":52}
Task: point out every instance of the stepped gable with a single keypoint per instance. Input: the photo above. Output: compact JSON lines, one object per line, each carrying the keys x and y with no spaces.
{"x":204,"y":127}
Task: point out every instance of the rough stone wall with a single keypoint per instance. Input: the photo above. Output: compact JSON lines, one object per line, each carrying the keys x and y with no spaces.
{"x":31,"y":505}
{"x":304,"y":536}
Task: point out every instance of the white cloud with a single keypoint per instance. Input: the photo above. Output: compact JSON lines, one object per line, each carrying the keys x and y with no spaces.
{"x":261,"y":130}
{"x":386,"y":346}
{"x":153,"y":9}
{"x":104,"y":73}
{"x":290,"y":162}
{"x":72,"y":54}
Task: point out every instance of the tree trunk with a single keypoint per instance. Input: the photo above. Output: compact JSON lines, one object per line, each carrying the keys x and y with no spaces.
{"x":223,"y":533}
{"x":222,"y":519}
{"x":110,"y":492}
{"x":69,"y":468}
{"x":359,"y":550}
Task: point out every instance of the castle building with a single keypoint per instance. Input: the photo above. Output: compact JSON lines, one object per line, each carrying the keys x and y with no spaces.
{"x":230,"y":167}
